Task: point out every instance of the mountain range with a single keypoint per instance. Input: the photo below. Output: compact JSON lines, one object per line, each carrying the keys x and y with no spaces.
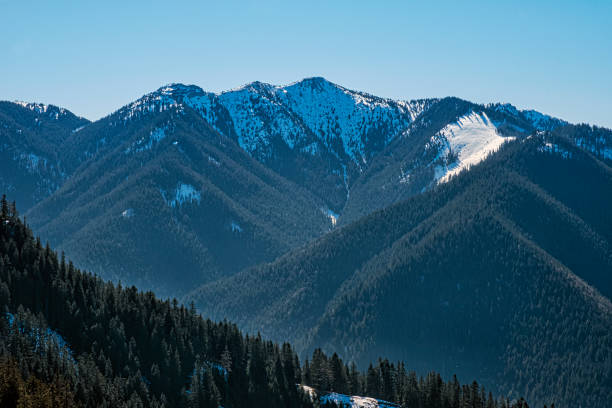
{"x":503,"y":274}
{"x":254,"y":171}
{"x":471,"y":239}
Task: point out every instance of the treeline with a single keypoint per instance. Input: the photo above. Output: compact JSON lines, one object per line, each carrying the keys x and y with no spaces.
{"x":68,"y":338}
{"x":396,"y":384}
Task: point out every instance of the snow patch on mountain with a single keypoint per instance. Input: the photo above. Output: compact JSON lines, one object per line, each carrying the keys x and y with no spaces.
{"x":333,"y":217}
{"x":356,"y":119}
{"x":78,"y":129}
{"x":347,"y":401}
{"x":601,"y":146}
{"x":52,"y":112}
{"x":355,"y":401}
{"x":305,"y":116}
{"x":554,"y":148}
{"x":42,"y":337}
{"x":538,"y":120}
{"x":235,"y":227}
{"x":183,"y":193}
{"x":465,"y":143}
{"x":214,"y":161}
{"x":311,"y":149}
{"x":158,"y":101}
{"x":32,"y":162}
{"x":36,"y":107}
{"x":332,"y":113}
{"x":259,"y":116}
{"x":146,"y":143}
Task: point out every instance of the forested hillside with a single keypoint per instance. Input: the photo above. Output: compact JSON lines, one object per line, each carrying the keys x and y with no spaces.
{"x":31,"y":166}
{"x":220,"y":182}
{"x":336,"y":219}
{"x":168,"y":194}
{"x":504,"y":273}
{"x":70,"y":339}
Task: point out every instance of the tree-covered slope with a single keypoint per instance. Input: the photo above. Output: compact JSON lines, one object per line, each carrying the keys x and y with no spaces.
{"x":69,"y":339}
{"x":169,"y":195}
{"x":448,"y":137}
{"x":221,"y":182}
{"x":504,"y":273}
{"x":104,"y":345}
{"x":31,"y":164}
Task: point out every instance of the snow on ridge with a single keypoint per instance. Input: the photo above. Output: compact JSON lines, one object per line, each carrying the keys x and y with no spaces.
{"x":36,"y":107}
{"x":153,"y":102}
{"x":465,"y":143}
{"x":167,"y":97}
{"x":53,"y":112}
{"x":538,"y":120}
{"x":301,"y":114}
{"x":258,"y":115}
{"x":331,"y":112}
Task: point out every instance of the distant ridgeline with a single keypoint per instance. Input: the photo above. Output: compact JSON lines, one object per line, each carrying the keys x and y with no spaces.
{"x":70,"y":339}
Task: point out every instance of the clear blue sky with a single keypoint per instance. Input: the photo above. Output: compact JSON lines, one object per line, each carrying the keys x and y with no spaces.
{"x":553,"y":56}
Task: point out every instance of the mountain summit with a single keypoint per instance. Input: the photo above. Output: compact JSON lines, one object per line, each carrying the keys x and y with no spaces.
{"x":256,"y":171}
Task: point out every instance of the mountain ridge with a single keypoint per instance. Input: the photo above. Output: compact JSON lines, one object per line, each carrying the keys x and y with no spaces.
{"x":346,"y":153}
{"x":473,"y":259}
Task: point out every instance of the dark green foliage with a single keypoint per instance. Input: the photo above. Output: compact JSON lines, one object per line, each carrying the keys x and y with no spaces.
{"x":491,"y":261}
{"x":31,"y":166}
{"x":68,"y":336}
{"x":116,"y":216}
{"x":397,"y":387}
{"x":15,"y":391}
{"x":502,"y":274}
{"x":125,"y":347}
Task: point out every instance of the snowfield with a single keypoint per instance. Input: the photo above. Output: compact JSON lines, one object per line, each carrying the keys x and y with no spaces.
{"x":465,"y":143}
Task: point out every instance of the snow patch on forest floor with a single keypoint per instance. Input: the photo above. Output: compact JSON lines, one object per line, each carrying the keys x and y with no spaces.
{"x":348,"y":401}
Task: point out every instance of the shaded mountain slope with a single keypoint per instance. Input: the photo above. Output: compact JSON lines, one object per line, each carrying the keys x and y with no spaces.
{"x":449,"y":136}
{"x":69,"y":339}
{"x":286,"y":164}
{"x":313,"y":132}
{"x":206,"y":208}
{"x":504,"y":272}
{"x":31,"y":165}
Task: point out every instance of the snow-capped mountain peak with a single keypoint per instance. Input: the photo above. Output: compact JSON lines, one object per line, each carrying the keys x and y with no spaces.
{"x":52,"y":111}
{"x":537,"y":120}
{"x":307,"y":115}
